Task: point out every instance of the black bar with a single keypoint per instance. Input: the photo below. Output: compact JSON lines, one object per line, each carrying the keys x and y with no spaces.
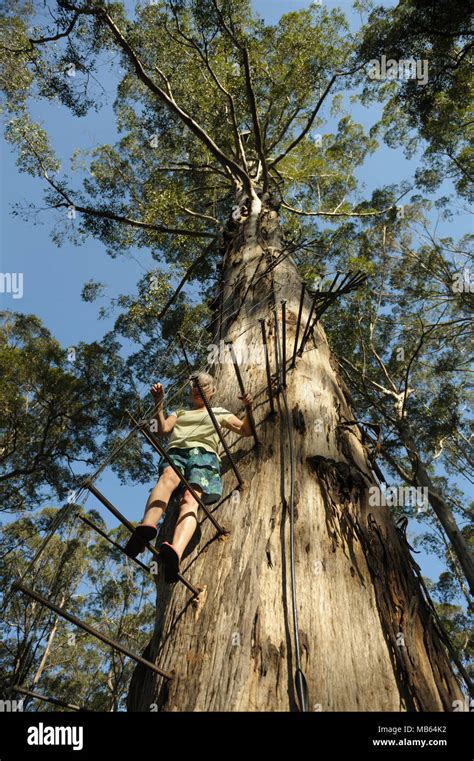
{"x":330,"y":297}
{"x":180,"y":339}
{"x":359,"y":275}
{"x":324,"y":303}
{"x":317,"y":297}
{"x":188,"y":584}
{"x":219,"y":432}
{"x":267,"y":365}
{"x":119,"y":516}
{"x":276,"y":342}
{"x":346,"y":284}
{"x":306,"y":327}
{"x":131,"y":528}
{"x":283,"y":343}
{"x":308,"y":324}
{"x":151,"y":438}
{"x":47,"y":699}
{"x":248,"y":410}
{"x":108,"y":539}
{"x":298,"y":323}
{"x":94,"y":632}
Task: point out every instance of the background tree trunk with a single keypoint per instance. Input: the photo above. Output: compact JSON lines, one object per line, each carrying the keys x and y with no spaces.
{"x":368,"y":641}
{"x":48,"y":648}
{"x":440,"y":508}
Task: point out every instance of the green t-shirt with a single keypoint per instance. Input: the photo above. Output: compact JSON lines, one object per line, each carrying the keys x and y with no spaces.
{"x":194,"y":428}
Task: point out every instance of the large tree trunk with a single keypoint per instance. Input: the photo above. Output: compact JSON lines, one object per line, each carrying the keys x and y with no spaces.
{"x":368,"y":641}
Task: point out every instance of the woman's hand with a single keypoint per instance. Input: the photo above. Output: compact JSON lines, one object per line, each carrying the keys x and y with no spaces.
{"x":157,"y":393}
{"x":247,"y":400}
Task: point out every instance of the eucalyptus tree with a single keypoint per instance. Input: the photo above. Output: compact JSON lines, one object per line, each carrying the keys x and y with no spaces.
{"x":221,"y":166}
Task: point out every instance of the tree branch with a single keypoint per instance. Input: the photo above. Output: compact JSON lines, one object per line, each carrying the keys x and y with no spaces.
{"x":409,"y":478}
{"x":205,"y":58}
{"x":459,"y":165}
{"x":364,"y":380}
{"x":305,"y":131}
{"x":284,"y":129}
{"x":336,"y":213}
{"x":184,"y":280}
{"x":410,"y":363}
{"x":185,"y":166}
{"x":198,"y":214}
{"x":167,"y":97}
{"x":43,"y":40}
{"x":104,"y":214}
{"x":256,"y":122}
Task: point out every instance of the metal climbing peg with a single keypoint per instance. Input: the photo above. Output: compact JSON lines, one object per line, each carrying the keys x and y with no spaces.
{"x":298,"y":323}
{"x":283,"y":344}
{"x":267,"y":366}
{"x":249,"y":412}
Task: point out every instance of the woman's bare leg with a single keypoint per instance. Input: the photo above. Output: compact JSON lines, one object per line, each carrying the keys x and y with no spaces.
{"x":187,"y":521}
{"x":159,"y":497}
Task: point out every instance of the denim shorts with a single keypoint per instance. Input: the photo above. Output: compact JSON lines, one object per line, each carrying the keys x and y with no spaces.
{"x":200,"y":468}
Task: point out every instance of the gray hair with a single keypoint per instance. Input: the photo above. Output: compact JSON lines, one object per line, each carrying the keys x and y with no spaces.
{"x":206,"y":380}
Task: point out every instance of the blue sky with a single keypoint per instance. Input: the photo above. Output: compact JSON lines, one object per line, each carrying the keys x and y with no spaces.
{"x":54,"y":277}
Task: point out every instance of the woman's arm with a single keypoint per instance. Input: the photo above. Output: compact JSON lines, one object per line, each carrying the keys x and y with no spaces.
{"x":242,"y":427}
{"x":165,"y":425}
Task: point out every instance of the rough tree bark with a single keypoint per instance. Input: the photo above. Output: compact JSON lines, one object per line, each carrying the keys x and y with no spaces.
{"x":367,"y":636}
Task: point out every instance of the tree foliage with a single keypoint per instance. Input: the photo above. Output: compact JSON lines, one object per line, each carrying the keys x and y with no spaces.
{"x":89,"y":578}
{"x":438,"y":112}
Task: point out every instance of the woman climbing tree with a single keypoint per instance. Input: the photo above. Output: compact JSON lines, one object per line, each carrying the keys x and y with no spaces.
{"x":193,"y":448}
